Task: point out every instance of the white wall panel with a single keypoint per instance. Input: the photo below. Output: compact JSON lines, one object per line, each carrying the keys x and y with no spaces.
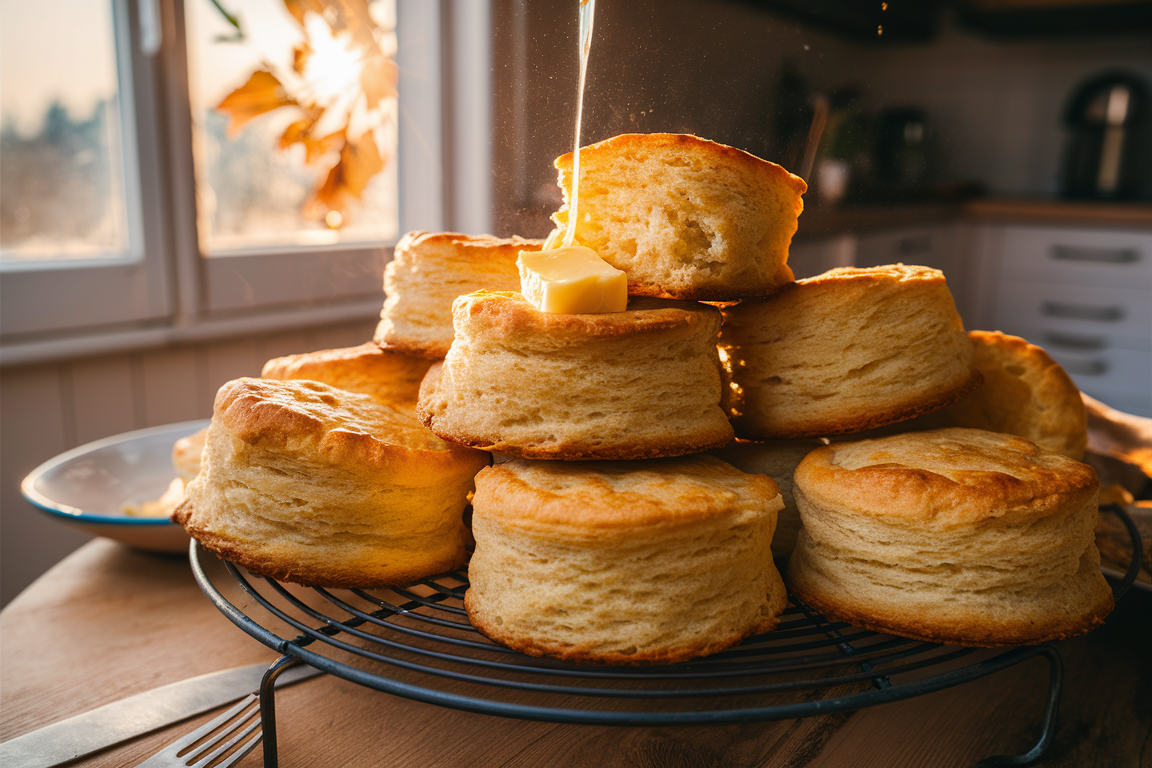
{"x":47,"y":409}
{"x":34,"y":430}
{"x":104,"y":398}
{"x":173,"y":386}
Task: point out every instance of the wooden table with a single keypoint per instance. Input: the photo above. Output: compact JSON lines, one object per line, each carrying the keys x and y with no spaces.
{"x":109,"y":621}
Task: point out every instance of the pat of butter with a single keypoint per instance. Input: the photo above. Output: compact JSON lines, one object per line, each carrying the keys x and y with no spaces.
{"x":572,"y":280}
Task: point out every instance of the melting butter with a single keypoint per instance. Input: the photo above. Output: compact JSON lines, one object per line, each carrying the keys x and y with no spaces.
{"x":571,"y":280}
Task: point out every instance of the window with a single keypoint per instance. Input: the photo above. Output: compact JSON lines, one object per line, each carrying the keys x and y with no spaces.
{"x":156,"y":222}
{"x":80,"y":236}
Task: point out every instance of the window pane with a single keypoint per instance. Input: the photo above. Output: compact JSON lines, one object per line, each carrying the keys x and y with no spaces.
{"x":62,"y":193}
{"x":316,"y":170}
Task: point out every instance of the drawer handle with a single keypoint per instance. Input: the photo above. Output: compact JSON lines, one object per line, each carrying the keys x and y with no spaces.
{"x":1068,"y":341}
{"x":1095,"y":255}
{"x":1085,"y":367}
{"x":1081,"y":312}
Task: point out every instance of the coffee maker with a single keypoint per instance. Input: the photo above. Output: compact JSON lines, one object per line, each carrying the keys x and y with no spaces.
{"x":1109,"y":151}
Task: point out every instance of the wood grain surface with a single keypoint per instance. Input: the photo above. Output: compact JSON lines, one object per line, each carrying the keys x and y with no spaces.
{"x":108,"y":622}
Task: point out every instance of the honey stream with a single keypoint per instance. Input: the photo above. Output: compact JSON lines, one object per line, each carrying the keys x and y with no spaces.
{"x":587,"y":10}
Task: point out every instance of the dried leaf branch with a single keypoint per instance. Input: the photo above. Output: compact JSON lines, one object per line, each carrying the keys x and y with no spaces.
{"x":344,"y":83}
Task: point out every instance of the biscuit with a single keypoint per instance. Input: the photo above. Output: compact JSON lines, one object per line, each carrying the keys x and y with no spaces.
{"x":1025,"y":393}
{"x":778,"y":460}
{"x":848,"y":350}
{"x":306,"y":483}
{"x":957,"y":536}
{"x":623,"y":562}
{"x":684,"y":217}
{"x":427,"y":272}
{"x":644,"y":383}
{"x":389,"y":377}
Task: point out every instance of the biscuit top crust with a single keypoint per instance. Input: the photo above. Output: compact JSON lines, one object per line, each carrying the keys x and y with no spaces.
{"x":1025,"y":392}
{"x":505,"y":314}
{"x":889,"y":273}
{"x":693,"y":148}
{"x":466,"y":245}
{"x":327,"y":424}
{"x":337,"y":363}
{"x":949,"y":477}
{"x":587,"y":497}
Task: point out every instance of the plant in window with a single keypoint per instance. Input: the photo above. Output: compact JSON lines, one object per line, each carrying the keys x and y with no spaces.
{"x":343,"y":81}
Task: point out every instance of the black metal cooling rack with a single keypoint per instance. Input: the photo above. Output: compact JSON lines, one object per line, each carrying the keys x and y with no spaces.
{"x":416,"y":642}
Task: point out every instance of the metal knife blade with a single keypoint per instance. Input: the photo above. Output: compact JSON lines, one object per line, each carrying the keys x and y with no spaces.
{"x":137,"y":715}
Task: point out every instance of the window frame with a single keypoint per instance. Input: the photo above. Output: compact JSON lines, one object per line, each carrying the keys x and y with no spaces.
{"x":59,"y":295}
{"x":441,"y":45}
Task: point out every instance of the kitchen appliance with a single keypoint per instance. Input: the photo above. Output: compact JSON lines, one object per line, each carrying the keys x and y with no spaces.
{"x":901,"y":150}
{"x":1109,"y":151}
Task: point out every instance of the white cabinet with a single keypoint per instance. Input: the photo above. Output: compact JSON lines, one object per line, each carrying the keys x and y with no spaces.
{"x":1082,"y":293}
{"x":942,"y":246}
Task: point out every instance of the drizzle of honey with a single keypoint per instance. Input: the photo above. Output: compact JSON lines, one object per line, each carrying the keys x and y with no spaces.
{"x":587,"y":10}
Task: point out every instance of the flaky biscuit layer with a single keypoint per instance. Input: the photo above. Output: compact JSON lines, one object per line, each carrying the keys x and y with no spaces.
{"x":957,"y":535}
{"x":644,"y":383}
{"x":684,"y":217}
{"x":389,"y":377}
{"x":845,"y":351}
{"x":1025,"y":393}
{"x":623,"y":562}
{"x":427,"y":272}
{"x":306,"y":483}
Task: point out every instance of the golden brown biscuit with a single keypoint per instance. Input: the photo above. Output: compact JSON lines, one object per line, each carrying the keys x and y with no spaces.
{"x":1025,"y":393}
{"x":427,"y":272}
{"x":956,"y":535}
{"x":845,"y":351}
{"x":685,"y":217}
{"x":777,"y":459}
{"x":644,"y":383}
{"x":623,"y":562}
{"x":389,"y":377}
{"x":311,"y":484}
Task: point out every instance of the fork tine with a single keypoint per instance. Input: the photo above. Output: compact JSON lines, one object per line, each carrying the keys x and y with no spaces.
{"x":247,"y":718}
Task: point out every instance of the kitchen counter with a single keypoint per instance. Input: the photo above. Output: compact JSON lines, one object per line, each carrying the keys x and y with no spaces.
{"x":109,"y":621}
{"x":826,"y":221}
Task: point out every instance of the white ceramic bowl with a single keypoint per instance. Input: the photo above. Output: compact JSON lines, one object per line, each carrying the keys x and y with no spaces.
{"x":88,"y":487}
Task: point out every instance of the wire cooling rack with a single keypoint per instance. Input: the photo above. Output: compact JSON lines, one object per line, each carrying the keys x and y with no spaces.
{"x":416,"y":642}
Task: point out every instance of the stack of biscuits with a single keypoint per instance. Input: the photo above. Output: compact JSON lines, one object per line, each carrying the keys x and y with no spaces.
{"x":634,"y":477}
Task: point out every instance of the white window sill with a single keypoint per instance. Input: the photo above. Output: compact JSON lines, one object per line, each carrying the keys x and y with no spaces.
{"x":105,"y":342}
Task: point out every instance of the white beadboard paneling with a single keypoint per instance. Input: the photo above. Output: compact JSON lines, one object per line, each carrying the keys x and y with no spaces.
{"x":172,"y":383}
{"x":104,"y":397}
{"x":230,"y":360}
{"x":34,"y":430}
{"x":345,"y":335}
{"x":283,"y":344}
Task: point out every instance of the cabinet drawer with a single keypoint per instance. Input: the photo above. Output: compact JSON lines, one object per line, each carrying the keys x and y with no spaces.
{"x":1118,"y":316}
{"x":1121,"y":377}
{"x":1120,"y":259}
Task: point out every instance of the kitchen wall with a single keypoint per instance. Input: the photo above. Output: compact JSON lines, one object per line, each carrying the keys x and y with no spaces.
{"x":712,"y":68}
{"x":997,"y":106}
{"x":708,"y":68}
{"x":47,"y":409}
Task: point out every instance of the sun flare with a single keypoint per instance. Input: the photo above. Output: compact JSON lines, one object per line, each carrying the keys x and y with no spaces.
{"x":334,"y":67}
